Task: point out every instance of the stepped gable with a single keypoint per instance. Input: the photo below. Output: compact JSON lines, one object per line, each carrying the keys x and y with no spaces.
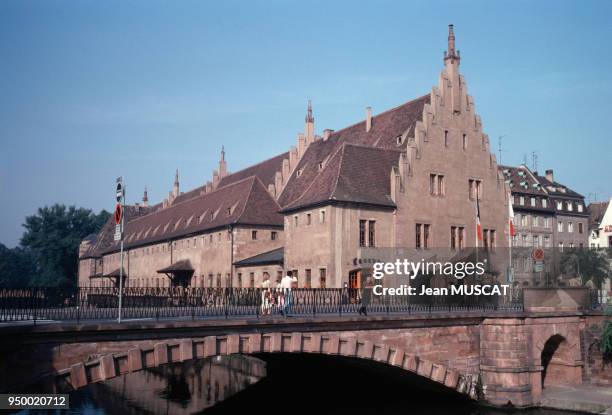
{"x":355,"y":174}
{"x":386,"y":127}
{"x":244,"y":202}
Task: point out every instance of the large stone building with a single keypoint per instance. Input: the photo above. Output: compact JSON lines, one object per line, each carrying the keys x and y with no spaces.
{"x":407,"y":177}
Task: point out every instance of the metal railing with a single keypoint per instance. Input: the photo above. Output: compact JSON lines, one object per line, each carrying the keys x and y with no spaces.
{"x":100,"y":303}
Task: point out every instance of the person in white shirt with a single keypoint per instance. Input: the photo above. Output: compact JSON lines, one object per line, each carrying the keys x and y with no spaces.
{"x":285,"y":286}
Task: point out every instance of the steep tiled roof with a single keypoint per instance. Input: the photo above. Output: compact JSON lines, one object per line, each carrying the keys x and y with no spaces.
{"x":521,"y":180}
{"x":596,"y":211}
{"x":554,"y":188}
{"x":243,"y":202}
{"x":264,"y":171}
{"x":385,"y":129}
{"x":182,"y":265}
{"x":104,"y":239}
{"x":355,"y":174}
{"x":275,"y":256}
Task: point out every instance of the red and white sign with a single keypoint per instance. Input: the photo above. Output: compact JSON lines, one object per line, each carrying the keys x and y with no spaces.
{"x":538,"y":254}
{"x":118,"y":213}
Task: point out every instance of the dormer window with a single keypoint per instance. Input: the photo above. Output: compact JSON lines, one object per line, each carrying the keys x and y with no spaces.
{"x":320,"y":166}
{"x":299,"y":172}
{"x":559,"y":206}
{"x":399,"y":140}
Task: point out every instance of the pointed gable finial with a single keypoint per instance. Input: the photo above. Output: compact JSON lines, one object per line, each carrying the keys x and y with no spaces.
{"x":451,"y":54}
{"x":176,"y":178}
{"x":222,"y":152}
{"x":145,"y":198}
{"x":309,"y":117}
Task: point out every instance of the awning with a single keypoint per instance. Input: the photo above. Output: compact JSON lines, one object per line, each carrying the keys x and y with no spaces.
{"x":115,"y":274}
{"x":274,"y":257}
{"x":184,"y":265}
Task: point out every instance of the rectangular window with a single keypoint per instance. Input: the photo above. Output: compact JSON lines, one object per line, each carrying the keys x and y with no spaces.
{"x":522,"y":200}
{"x":252,"y":280}
{"x":471,"y":189}
{"x":322,"y":216}
{"x":465,"y":142}
{"x":322,"y":278}
{"x":239,"y":280}
{"x":546,"y":242}
{"x":218,"y":280}
{"x":580,"y":230}
{"x":453,"y":237}
{"x":559,"y":206}
{"x":253,"y":235}
{"x":579,"y":207}
{"x":441,"y":189}
{"x":362,"y":233}
{"x":308,"y":219}
{"x":561,"y":246}
{"x":446,"y":138}
{"x":295,"y":221}
{"x":273,"y":235}
{"x":432,"y":184}
{"x":479,"y":189}
{"x":485,"y":238}
{"x":570,"y":206}
{"x":426,"y":236}
{"x":570,"y":227}
{"x":559,"y":226}
{"x":210,"y":280}
{"x":533,"y":201}
{"x":418,"y":229}
{"x":536,"y":241}
{"x":372,"y":233}
{"x":308,"y":278}
{"x":493,"y":237}
{"x":544,"y":203}
{"x":461,"y":236}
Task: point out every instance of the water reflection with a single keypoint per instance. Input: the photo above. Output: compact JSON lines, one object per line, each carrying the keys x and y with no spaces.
{"x":185,"y":388}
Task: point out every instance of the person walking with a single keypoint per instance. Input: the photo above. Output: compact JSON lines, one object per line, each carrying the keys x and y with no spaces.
{"x":366,"y":295}
{"x":285,"y":285}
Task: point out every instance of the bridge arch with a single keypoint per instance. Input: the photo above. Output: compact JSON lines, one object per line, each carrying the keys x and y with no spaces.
{"x":135,"y":359}
{"x":559,"y":365}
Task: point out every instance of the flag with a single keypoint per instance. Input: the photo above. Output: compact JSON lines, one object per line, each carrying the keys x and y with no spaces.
{"x":478,"y":226}
{"x":511,"y":218}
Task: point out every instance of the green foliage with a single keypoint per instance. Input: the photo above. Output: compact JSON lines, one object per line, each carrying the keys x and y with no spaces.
{"x":589,"y":264}
{"x":606,"y":337}
{"x":16,"y":267}
{"x":51,"y":239}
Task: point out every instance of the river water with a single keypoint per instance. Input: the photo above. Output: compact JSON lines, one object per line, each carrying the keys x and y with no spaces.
{"x":275,"y":384}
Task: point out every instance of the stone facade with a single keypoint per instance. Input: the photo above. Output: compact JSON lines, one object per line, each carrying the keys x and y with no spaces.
{"x":416,"y":171}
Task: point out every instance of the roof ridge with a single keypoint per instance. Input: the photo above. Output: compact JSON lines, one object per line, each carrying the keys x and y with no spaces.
{"x":255,"y":165}
{"x":335,"y":133}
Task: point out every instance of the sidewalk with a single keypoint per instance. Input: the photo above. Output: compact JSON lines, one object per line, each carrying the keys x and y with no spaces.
{"x":582,"y":398}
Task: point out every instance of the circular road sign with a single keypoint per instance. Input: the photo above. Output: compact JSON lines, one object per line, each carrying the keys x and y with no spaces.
{"x":118,"y":213}
{"x":538,"y":254}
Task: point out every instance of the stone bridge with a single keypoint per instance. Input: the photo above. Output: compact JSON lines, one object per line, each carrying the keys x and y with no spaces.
{"x":500,"y":358}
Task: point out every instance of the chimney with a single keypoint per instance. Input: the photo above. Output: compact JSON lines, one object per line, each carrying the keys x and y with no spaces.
{"x":550,"y":176}
{"x":327,"y":133}
{"x":368,"y":118}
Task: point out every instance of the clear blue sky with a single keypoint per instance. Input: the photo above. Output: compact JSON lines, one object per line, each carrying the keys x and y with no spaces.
{"x":91,"y":90}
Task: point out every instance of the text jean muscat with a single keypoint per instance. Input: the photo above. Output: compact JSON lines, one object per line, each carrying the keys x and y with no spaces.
{"x":410,"y":269}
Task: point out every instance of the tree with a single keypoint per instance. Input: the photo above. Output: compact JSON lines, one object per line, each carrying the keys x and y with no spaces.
{"x":16,"y":267}
{"x":53,"y":236}
{"x":589,"y":264}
